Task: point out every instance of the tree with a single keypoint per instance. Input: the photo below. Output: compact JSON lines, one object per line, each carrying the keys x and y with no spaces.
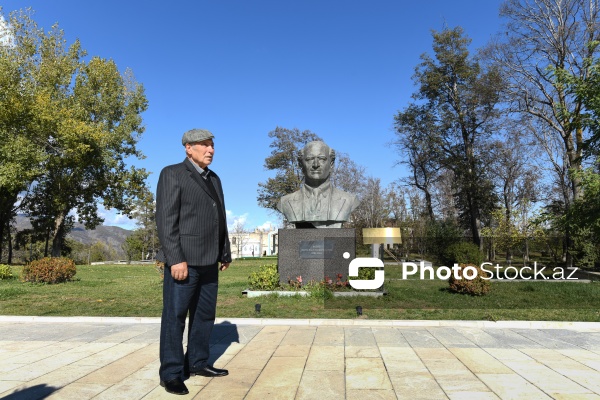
{"x":21,"y":151}
{"x":143,"y":212}
{"x":85,"y":120}
{"x":240,"y":235}
{"x":135,"y":246}
{"x":544,"y":42}
{"x":455,"y":112}
{"x":542,"y":39}
{"x":518,"y":185}
{"x":283,"y":160}
{"x":372,"y":211}
{"x":415,"y":128}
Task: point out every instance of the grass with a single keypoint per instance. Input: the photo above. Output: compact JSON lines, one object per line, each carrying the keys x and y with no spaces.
{"x":136,"y":290}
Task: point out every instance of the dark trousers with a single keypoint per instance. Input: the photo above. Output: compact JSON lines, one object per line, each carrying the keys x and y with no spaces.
{"x":197,"y":295}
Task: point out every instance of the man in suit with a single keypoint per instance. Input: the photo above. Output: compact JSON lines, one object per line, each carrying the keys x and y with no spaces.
{"x":190,"y":218}
{"x":317,"y":204}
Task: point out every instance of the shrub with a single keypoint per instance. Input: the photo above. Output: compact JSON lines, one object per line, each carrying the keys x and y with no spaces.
{"x":160,"y":268}
{"x":50,"y":270}
{"x":475,"y":287}
{"x":266,"y":278}
{"x":6,"y":272}
{"x":462,"y":253}
{"x":340,"y":284}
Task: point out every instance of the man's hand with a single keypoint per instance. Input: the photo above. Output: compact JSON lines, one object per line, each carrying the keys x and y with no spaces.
{"x":224,"y":266}
{"x":179,"y":272}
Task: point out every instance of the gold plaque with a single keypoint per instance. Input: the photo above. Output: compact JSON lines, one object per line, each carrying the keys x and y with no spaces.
{"x":382,"y":235}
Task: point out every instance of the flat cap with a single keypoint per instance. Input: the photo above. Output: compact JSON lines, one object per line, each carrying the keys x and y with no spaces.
{"x":196,"y":135}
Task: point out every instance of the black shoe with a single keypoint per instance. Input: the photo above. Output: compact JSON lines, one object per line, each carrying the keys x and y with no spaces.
{"x":209,"y":371}
{"x":175,"y":386}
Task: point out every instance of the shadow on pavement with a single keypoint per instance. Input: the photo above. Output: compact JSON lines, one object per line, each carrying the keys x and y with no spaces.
{"x":223,"y":335}
{"x":32,"y":393}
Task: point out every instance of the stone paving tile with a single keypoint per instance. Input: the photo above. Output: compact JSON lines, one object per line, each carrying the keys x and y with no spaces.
{"x":460,"y":382}
{"x":370,"y":394}
{"x":546,"y":378}
{"x":513,"y":339}
{"x":319,"y":385}
{"x":271,"y":334}
{"x":473,"y":396}
{"x":366,"y":373}
{"x":450,"y":337}
{"x":42,"y":331}
{"x":7,"y":387}
{"x":399,"y":363}
{"x":296,"y":342}
{"x":421,"y":338}
{"x":551,"y":339}
{"x":389,"y":337}
{"x":299,"y":335}
{"x":78,"y":391}
{"x":63,"y":376}
{"x":417,"y":386}
{"x":33,"y":370}
{"x":329,"y":336}
{"x":239,"y":379}
{"x":13,"y":348}
{"x":325,"y":358}
{"x":247,"y":332}
{"x":253,"y":356}
{"x":585,"y":357}
{"x":479,"y":362}
{"x":587,"y":340}
{"x":292,"y":350}
{"x":512,"y":386}
{"x":111,"y":354}
{"x":88,"y":360}
{"x":229,"y":394}
{"x":9,"y":366}
{"x":569,"y":368}
{"x":482,"y":338}
{"x":359,"y":337}
{"x":123,"y":367}
{"x":279,"y":379}
{"x":362,"y":351}
{"x":49,"y":351}
{"x":128,"y":389}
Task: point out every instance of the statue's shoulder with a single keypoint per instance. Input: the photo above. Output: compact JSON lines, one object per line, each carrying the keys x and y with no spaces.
{"x":292,"y":196}
{"x":337,"y":193}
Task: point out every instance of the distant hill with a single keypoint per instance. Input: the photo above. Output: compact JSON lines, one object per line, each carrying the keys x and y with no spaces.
{"x":112,"y":236}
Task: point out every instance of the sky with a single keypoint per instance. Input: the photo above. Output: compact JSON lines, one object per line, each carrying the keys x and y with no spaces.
{"x":239,"y":68}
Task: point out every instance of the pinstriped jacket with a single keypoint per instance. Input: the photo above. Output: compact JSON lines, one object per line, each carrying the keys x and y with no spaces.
{"x":187,"y":217}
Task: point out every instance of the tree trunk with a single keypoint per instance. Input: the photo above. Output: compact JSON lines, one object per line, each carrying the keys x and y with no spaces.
{"x":10,"y":248}
{"x":2,"y":225}
{"x":47,"y":242}
{"x":429,"y":205}
{"x":58,"y":236}
{"x":474,"y":221}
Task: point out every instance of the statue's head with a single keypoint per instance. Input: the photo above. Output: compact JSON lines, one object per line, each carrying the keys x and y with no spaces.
{"x":316,"y":160}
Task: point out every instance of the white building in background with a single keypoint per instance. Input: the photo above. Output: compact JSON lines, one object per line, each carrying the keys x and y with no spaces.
{"x":257,"y":243}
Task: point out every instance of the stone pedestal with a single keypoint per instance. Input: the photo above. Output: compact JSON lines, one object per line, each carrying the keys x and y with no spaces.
{"x":315,"y":254}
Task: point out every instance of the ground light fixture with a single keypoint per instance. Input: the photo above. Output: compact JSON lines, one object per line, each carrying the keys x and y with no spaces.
{"x":257,"y":307}
{"x":359,"y":310}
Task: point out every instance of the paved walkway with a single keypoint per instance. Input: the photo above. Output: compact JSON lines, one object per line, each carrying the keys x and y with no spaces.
{"x":87,"y":358}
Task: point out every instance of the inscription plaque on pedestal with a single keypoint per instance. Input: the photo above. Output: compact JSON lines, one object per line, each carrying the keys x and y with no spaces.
{"x":317,"y":249}
{"x":315,"y":254}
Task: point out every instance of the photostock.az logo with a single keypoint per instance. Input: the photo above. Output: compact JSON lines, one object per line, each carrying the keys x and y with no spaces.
{"x":366,"y":262}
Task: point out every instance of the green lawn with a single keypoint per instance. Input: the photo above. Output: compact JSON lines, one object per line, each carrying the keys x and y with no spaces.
{"x":135,"y":290}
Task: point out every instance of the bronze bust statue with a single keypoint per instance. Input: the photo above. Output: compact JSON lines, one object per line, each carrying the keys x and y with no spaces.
{"x":317,"y":204}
